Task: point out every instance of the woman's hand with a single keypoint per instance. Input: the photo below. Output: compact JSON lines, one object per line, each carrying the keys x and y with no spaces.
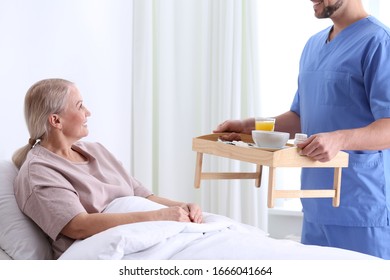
{"x":189,"y":212}
{"x":179,"y":211}
{"x":194,"y":211}
{"x":174,"y":213}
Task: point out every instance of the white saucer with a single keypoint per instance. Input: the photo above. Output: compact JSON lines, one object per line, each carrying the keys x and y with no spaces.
{"x":269,"y":148}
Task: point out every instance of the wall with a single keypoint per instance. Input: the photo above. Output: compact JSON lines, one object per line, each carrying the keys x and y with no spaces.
{"x":285,"y":224}
{"x":86,"y":41}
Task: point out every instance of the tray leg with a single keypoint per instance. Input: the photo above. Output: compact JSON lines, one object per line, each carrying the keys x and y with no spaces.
{"x":259,"y":171}
{"x":337,"y":186}
{"x":271,"y":186}
{"x":198,"y":169}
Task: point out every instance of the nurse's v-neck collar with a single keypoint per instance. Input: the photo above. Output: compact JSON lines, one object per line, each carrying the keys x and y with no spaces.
{"x":344,"y":31}
{"x":329,"y":32}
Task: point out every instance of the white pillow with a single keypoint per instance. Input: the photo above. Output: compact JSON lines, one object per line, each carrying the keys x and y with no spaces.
{"x":20,"y":237}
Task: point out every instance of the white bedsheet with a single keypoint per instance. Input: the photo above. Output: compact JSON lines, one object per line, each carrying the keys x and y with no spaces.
{"x":217,"y":238}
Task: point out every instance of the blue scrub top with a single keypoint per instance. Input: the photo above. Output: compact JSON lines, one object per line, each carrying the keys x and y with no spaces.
{"x":345,"y":84}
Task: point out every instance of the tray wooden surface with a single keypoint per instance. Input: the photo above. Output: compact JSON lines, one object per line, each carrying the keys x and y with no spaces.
{"x":285,"y":157}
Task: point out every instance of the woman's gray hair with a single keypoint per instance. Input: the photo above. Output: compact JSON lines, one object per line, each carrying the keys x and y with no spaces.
{"x":43,"y":98}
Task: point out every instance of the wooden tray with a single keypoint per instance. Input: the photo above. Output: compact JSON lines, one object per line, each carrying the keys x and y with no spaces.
{"x":285,"y":157}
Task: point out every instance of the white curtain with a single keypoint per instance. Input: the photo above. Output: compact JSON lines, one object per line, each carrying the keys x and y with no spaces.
{"x":195,"y":64}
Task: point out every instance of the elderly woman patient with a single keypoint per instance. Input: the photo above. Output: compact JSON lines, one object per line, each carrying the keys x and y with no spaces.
{"x":64,"y":184}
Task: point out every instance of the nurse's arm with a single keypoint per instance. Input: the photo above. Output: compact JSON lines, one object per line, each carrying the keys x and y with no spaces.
{"x":375,"y":136}
{"x":324,"y":146}
{"x":288,"y":122}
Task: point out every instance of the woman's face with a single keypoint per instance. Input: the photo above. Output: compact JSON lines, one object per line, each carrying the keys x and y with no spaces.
{"x":74,"y":117}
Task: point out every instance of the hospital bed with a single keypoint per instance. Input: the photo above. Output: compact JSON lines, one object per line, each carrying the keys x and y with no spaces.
{"x":218,"y":238}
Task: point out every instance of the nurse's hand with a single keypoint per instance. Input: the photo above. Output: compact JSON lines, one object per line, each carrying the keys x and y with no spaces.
{"x":230,"y":126}
{"x":322,"y":147}
{"x":235,"y":126}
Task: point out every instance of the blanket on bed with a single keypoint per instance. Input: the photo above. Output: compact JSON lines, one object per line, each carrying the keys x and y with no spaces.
{"x":217,"y":238}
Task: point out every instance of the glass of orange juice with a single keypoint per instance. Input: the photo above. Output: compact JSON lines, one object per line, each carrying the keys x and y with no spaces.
{"x":265,"y":123}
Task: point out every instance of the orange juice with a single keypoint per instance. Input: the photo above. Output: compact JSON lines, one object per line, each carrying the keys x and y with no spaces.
{"x":265,"y":125}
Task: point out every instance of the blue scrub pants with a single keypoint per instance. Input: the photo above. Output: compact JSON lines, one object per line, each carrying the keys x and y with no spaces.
{"x":373,"y":241}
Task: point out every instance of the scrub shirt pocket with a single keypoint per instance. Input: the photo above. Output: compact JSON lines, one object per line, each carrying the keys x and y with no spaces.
{"x":336,"y":89}
{"x":365,"y":176}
